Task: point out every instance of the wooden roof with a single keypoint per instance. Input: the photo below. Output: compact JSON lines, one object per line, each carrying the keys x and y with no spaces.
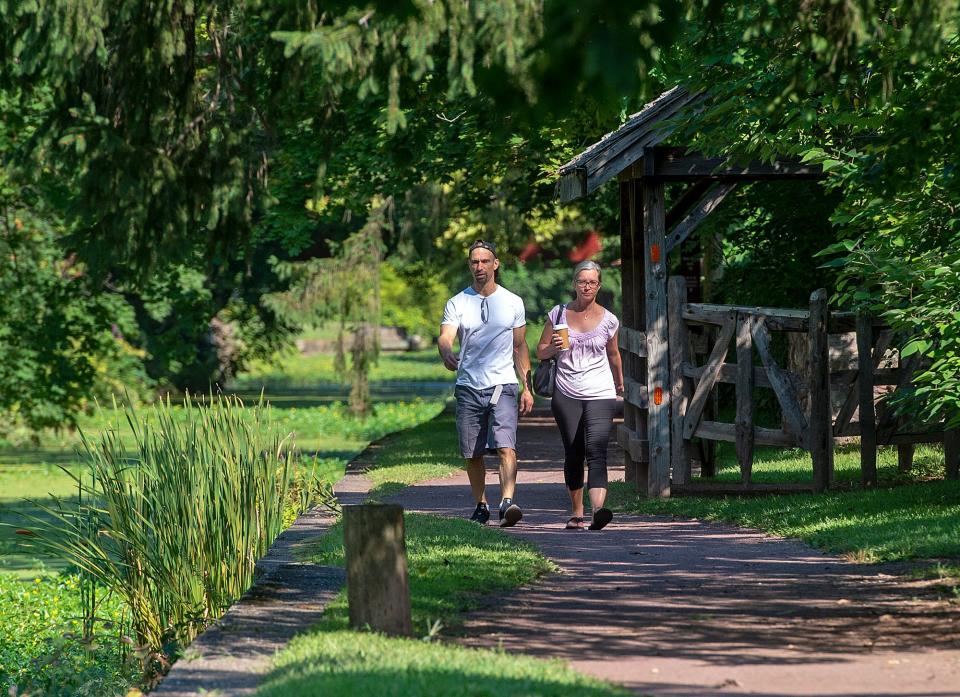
{"x":621,"y":148}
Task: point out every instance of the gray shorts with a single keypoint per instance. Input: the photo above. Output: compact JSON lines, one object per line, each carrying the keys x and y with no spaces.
{"x":482,"y":426}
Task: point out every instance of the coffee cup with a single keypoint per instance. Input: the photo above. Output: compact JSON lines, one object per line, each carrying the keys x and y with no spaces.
{"x":561,"y":329}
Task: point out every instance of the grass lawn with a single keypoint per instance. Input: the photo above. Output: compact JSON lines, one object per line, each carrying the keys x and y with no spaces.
{"x":910,"y":516}
{"x":38,"y":617}
{"x":291,"y":369}
{"x":427,"y":451}
{"x":451,"y":564}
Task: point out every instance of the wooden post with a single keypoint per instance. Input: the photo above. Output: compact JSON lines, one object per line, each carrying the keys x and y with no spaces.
{"x":639,"y":305}
{"x":951,"y":453}
{"x":376,"y":555}
{"x":821,"y":416}
{"x":868,"y":422}
{"x":905,"y":457}
{"x":627,"y":294}
{"x":681,"y":452}
{"x":744,"y":428}
{"x":658,"y":356}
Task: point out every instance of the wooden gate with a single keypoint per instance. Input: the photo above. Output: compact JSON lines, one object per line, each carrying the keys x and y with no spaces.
{"x":812,"y":427}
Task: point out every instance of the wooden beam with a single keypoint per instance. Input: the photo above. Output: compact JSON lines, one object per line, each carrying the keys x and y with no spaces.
{"x":873,"y":360}
{"x":635,"y":393}
{"x":633,"y":446}
{"x":573,"y":185}
{"x":717,"y":430}
{"x":887,"y":421}
{"x":728,"y":374}
{"x":658,"y":356}
{"x":627,"y":293}
{"x":866,"y":363}
{"x":744,"y":426}
{"x":776,"y":319}
{"x":681,"y":454}
{"x":704,"y":208}
{"x":710,"y":372}
{"x":820,"y":440}
{"x":951,"y":453}
{"x":676,"y":164}
{"x":684,"y":203}
{"x":632,"y":341}
{"x":781,"y":382}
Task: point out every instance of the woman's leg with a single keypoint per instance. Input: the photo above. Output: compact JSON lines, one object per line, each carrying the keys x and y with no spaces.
{"x":568,"y":414}
{"x":597,"y":423}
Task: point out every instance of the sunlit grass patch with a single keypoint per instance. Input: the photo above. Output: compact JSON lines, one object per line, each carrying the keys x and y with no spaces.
{"x":344,"y":662}
{"x":452,"y":565}
{"x":918,"y":520}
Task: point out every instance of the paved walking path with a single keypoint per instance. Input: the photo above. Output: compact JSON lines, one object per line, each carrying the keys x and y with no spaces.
{"x":666,"y":607}
{"x":681,"y":607}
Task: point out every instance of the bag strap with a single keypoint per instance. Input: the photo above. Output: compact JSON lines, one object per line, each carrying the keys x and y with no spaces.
{"x":561,"y":310}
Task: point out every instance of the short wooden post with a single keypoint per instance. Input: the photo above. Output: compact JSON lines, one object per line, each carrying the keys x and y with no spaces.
{"x":868,"y":422}
{"x":951,"y":453}
{"x":681,"y":452}
{"x":658,"y":357}
{"x":378,"y":594}
{"x":821,"y":416}
{"x":905,"y":457}
{"x":744,"y":428}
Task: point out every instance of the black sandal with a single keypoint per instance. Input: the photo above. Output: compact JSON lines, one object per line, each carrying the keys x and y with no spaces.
{"x":574,"y":523}
{"x":601,"y":518}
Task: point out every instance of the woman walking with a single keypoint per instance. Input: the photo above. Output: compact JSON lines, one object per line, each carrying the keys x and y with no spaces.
{"x":588,"y":379}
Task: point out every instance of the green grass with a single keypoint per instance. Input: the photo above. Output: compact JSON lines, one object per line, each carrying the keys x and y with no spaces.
{"x":341,"y":662}
{"x":911,"y":516}
{"x":779,"y":465}
{"x":291,"y":369}
{"x":428,"y":451}
{"x":328,"y":432}
{"x":452,"y":564}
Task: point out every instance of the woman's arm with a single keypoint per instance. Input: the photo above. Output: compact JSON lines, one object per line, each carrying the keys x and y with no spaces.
{"x":548,"y":347}
{"x":616,"y":366}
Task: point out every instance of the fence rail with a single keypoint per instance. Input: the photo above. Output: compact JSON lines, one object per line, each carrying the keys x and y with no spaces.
{"x":804,"y":400}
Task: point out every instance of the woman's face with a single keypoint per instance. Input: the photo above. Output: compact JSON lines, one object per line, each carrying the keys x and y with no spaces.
{"x":586,"y":284}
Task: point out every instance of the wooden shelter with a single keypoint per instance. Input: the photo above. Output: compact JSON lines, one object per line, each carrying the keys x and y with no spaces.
{"x":669,"y":412}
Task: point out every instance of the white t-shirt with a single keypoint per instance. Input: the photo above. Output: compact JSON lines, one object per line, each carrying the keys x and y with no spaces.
{"x":486,"y":347}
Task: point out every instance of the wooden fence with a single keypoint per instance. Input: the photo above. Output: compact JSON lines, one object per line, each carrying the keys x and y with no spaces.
{"x":808,"y":419}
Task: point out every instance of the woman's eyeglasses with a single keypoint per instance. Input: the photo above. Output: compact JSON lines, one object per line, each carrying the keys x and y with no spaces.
{"x":588,"y":284}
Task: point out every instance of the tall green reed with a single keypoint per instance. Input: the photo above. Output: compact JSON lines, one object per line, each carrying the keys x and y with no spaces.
{"x":178,"y":521}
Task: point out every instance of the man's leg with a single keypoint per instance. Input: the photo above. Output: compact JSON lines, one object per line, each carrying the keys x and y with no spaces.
{"x":477,"y":474}
{"x":508,"y":471}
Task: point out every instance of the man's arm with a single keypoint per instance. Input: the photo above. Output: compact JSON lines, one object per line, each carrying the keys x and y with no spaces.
{"x":521,"y":363}
{"x":448,"y":333}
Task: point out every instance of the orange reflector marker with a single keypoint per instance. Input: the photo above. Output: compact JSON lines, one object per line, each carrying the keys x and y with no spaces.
{"x":658,"y":395}
{"x":655,"y":253}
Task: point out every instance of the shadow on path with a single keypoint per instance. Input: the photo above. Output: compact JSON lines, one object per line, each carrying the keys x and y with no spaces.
{"x":683,"y":607}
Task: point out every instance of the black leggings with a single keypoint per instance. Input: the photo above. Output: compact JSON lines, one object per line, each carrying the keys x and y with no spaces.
{"x":585,"y":430}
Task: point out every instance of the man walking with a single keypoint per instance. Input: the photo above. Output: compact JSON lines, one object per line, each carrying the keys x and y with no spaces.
{"x":491,"y":323}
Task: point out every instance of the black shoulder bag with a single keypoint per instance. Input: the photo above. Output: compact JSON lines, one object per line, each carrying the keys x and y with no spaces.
{"x":545,"y":376}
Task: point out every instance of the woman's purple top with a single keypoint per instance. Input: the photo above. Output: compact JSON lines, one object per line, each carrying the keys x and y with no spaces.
{"x":583,"y":370}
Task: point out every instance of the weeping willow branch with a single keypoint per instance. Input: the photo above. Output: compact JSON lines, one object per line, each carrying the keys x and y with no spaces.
{"x":344,"y":288}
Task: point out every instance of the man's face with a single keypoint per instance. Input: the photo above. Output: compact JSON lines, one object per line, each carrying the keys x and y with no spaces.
{"x":483,"y":264}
